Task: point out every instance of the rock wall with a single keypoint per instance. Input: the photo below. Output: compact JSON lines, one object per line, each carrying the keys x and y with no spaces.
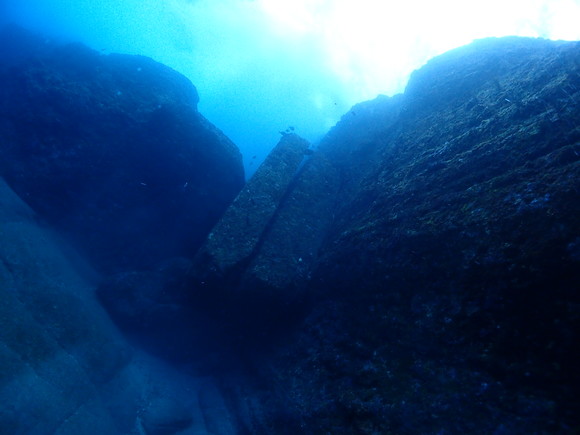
{"x":416,"y":273}
{"x":64,"y":367}
{"x":438,"y":240}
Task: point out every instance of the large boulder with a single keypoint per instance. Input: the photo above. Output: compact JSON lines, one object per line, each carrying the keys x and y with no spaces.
{"x":111,"y":150}
{"x":443,"y":271}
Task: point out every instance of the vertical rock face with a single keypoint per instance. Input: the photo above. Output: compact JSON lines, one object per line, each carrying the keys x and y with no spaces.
{"x":438,"y":231}
{"x":112,"y":150}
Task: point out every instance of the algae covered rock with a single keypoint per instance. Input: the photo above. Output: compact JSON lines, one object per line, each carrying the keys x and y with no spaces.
{"x":444,"y":290}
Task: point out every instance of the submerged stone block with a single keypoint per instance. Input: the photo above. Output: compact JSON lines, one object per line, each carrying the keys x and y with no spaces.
{"x":221,"y":283}
{"x":444,"y":289}
{"x":237,"y":235}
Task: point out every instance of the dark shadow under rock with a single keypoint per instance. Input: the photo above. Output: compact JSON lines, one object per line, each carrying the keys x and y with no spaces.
{"x":165,"y":416}
{"x":151,"y":305}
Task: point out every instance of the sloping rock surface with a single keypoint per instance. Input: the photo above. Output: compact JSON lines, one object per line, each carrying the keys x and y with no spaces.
{"x":111,"y":150}
{"x":247,"y":219}
{"x":64,"y":367}
{"x":57,"y":345}
{"x":443,"y":264}
{"x":233,"y":274}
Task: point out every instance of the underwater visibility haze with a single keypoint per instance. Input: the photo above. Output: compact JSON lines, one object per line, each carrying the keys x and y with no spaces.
{"x":270,"y":217}
{"x":311,"y":60}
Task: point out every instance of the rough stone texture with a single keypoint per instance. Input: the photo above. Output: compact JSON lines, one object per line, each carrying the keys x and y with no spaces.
{"x":329,"y":178}
{"x":237,"y":235}
{"x":294,"y":235}
{"x":262,"y":252}
{"x":445,"y":286}
{"x":111,"y":150}
{"x":235,"y":274}
{"x":435,"y":233}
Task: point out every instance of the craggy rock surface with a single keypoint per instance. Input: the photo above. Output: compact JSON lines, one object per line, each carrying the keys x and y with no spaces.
{"x":111,"y":150}
{"x":237,"y":235}
{"x":234,"y":274}
{"x":444,"y":267}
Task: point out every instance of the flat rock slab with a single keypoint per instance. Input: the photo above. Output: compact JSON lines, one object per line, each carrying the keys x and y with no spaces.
{"x":237,"y":235}
{"x":57,"y":346}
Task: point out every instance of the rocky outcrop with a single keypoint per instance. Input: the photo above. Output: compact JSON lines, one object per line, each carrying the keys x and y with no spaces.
{"x":438,"y":231}
{"x":254,"y":269}
{"x":111,"y":150}
{"x":109,"y":154}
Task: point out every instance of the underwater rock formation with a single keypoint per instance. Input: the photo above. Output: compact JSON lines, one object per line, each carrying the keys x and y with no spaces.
{"x":416,"y":273}
{"x":64,"y":366}
{"x":58,"y":350}
{"x":111,"y":150}
{"x":443,"y":270}
{"x":236,"y":237}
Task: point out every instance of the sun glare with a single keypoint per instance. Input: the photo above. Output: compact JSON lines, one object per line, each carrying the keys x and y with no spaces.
{"x":365,"y":41}
{"x":261,"y":65}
